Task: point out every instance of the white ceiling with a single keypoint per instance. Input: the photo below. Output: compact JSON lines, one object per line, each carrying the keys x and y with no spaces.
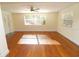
{"x":44,"y":6}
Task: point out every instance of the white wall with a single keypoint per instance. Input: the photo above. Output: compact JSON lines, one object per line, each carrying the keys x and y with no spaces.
{"x":51,"y":22}
{"x":71,"y":33}
{"x":7,"y":20}
{"x":3,"y":45}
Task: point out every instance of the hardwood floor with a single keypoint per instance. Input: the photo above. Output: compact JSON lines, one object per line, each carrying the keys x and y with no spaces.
{"x":67,"y":48}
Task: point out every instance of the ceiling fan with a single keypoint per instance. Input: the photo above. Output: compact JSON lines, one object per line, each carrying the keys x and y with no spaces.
{"x":33,"y":9}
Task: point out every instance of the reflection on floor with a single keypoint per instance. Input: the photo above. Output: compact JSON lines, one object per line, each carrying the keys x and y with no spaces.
{"x":37,"y":39}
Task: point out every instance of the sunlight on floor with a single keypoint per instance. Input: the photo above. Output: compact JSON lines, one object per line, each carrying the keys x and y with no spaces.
{"x":37,"y":39}
{"x":29,"y":37}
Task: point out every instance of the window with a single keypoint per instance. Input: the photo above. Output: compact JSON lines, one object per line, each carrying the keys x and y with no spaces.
{"x":34,"y":19}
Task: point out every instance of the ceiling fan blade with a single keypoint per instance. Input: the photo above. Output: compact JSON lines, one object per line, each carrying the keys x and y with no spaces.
{"x":33,"y":9}
{"x":36,"y":9}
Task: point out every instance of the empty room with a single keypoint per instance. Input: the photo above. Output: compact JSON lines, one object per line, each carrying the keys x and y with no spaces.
{"x":39,"y":29}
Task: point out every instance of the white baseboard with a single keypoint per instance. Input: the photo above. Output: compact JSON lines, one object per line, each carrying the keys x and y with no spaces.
{"x":70,"y":38}
{"x":37,"y":30}
{"x":4,"y":53}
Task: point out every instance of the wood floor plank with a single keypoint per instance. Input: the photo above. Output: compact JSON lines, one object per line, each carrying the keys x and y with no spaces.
{"x":65,"y":49}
